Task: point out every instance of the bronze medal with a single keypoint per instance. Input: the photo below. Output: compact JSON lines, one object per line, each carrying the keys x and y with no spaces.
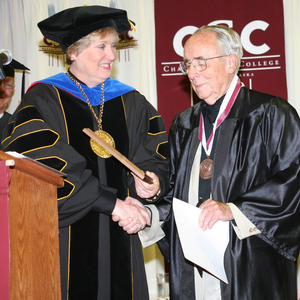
{"x":99,"y":150}
{"x":206,"y":168}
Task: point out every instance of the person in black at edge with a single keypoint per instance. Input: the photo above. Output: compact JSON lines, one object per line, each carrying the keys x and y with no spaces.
{"x":236,"y":155}
{"x":99,"y":260}
{"x":7,"y":89}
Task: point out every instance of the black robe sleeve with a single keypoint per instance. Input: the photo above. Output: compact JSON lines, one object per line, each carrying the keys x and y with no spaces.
{"x":271,"y":196}
{"x":40,"y":131}
{"x":148,"y":140}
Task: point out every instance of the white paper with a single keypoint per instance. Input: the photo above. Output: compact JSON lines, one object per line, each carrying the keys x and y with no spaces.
{"x":15,"y":154}
{"x":204,"y":248}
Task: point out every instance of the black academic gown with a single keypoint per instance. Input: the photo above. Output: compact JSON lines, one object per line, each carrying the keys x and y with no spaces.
{"x":98,"y":259}
{"x":256,"y":167}
{"x":3,"y":122}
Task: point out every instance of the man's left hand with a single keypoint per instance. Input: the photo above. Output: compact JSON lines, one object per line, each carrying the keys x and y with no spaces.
{"x":212,"y":211}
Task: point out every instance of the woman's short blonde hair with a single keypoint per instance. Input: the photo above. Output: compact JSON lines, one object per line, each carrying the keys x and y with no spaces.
{"x":87,"y":40}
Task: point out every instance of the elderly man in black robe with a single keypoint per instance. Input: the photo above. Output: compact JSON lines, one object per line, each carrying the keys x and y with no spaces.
{"x":236,"y":155}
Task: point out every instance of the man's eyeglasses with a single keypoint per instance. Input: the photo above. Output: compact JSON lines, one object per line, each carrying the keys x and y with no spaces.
{"x":8,"y":86}
{"x":199,"y":64}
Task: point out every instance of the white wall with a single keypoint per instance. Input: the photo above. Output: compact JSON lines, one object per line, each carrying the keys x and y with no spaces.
{"x":292,"y":50}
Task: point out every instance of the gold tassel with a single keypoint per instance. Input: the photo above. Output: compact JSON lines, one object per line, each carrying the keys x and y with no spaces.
{"x":132,"y":25}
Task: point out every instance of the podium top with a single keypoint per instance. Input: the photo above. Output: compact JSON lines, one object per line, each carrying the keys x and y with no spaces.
{"x":35,"y":169}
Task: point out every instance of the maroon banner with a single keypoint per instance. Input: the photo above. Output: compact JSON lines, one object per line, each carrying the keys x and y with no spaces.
{"x":260,"y":25}
{"x":4,"y":232}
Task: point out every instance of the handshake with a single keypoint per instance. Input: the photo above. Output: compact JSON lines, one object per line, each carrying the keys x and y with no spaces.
{"x":131,"y":214}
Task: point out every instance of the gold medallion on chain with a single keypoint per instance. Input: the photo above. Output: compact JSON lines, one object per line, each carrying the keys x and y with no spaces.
{"x":99,"y":150}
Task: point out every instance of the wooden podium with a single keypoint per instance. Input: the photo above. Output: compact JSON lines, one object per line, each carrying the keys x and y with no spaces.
{"x":33,"y":230}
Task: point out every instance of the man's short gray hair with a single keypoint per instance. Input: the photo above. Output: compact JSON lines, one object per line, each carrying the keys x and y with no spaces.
{"x":228,"y":40}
